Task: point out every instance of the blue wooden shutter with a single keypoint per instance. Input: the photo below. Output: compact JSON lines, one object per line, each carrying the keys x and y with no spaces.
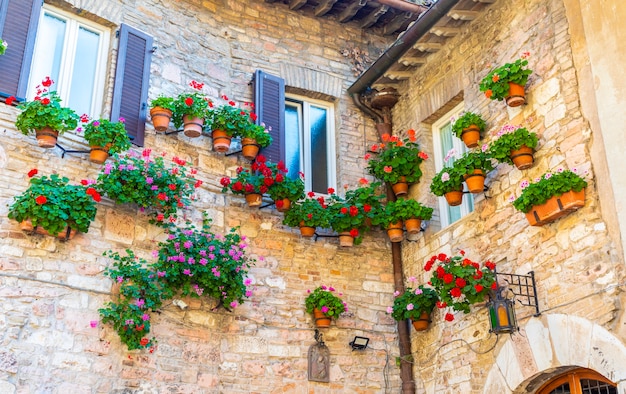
{"x":269,"y":100}
{"x":18,"y":27}
{"x":132,"y":76}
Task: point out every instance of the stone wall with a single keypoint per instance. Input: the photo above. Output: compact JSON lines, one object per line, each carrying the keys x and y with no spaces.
{"x":579,"y":270}
{"x":51,"y":291}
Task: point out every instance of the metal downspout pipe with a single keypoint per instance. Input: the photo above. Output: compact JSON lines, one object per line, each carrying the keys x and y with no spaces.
{"x":383,"y":124}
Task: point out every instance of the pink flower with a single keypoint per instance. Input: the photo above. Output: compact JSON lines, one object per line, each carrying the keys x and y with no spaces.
{"x":234,"y":304}
{"x":247,"y":282}
{"x":145,"y":317}
{"x":187,"y":272}
{"x":324,"y":309}
{"x":389,"y":309}
{"x":445,"y":177}
{"x":418,"y":291}
{"x":410,"y":307}
{"x":93,"y":323}
{"x":396,"y":293}
{"x":412,"y":279}
{"x":388,"y":169}
{"x":524,"y":184}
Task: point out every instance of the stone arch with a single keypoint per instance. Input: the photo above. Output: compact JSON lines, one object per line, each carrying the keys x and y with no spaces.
{"x":550,"y":345}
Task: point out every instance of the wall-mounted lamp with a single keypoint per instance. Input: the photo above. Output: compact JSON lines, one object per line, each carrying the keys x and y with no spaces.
{"x":502,"y":309}
{"x":359,"y":343}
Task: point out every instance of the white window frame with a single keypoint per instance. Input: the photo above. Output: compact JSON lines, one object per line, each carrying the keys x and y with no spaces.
{"x":459,"y":147}
{"x":73,"y":23}
{"x":306,"y":164}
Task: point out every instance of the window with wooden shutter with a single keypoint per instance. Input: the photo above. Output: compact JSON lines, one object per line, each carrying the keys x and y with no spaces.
{"x":269,"y":100}
{"x":18,"y":27}
{"x":132,"y":76}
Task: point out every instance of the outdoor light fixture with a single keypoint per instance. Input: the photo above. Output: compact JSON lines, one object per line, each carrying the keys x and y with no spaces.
{"x":359,"y":343}
{"x":502,"y":309}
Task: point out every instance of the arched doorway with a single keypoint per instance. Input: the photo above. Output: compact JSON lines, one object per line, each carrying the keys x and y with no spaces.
{"x":579,"y":381}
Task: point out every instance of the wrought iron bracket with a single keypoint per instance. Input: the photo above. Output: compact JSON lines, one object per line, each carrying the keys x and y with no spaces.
{"x":69,"y":151}
{"x":523,"y":287}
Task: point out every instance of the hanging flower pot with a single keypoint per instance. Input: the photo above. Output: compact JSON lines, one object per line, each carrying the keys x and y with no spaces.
{"x":249,"y":148}
{"x":99,"y":154}
{"x":160,"y":118}
{"x":345,"y":239}
{"x":516,"y":96}
{"x":471,"y":136}
{"x":401,"y":187}
{"x":413,"y":226}
{"x":192,"y":126}
{"x":454,"y":198}
{"x":556,"y":207}
{"x":64,"y":235}
{"x":421,"y":324}
{"x":321,"y":320}
{"x":283,"y":204}
{"x":254,"y":199}
{"x":395,"y":232}
{"x":306,"y":231}
{"x":523,"y":157}
{"x":221,"y":141}
{"x":46,"y":137}
{"x":475,"y":181}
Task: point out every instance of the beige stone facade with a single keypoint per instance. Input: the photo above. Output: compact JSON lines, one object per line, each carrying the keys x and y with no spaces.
{"x":51,"y":290}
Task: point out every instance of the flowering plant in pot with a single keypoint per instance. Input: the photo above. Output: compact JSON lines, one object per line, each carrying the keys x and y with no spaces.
{"x":413,"y":303}
{"x":45,"y":111}
{"x":149,"y":181}
{"x":3,"y":46}
{"x":564,"y":185}
{"x":404,"y":209}
{"x":253,"y":182}
{"x":284,"y":189}
{"x":52,"y":203}
{"x":106,"y":136}
{"x":469,"y":126}
{"x":459,"y":281}
{"x":161,"y":111}
{"x":191,"y":110}
{"x":347,"y":217}
{"x":192,"y":262}
{"x":398,"y":160}
{"x":310,"y":212}
{"x":232,"y":118}
{"x":509,"y":139}
{"x":448,"y":180}
{"x":324,"y":300}
{"x":495,"y":84}
{"x":474,"y":166}
{"x":368,"y":195}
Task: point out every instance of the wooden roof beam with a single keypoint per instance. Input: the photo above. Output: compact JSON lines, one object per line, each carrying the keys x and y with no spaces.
{"x":463,"y":15}
{"x":445,"y":31}
{"x":396,"y":23}
{"x":398,"y":75}
{"x":350,"y":11}
{"x":427,"y":46}
{"x":296,"y":4}
{"x":374,"y":16}
{"x":412,"y":61}
{"x":324,"y":6}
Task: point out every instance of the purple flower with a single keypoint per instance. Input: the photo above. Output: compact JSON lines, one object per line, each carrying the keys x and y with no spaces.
{"x":188,"y":244}
{"x":247,"y":282}
{"x":96,"y":123}
{"x":122,"y":120}
{"x":187,"y":272}
{"x":120,"y":279}
{"x":140,"y":302}
{"x":129,"y":322}
{"x":149,"y":180}
{"x":145,"y":317}
{"x":203,"y":261}
{"x":324,"y":309}
{"x":191,"y":260}
{"x":161,"y":274}
{"x":93,"y":323}
{"x":216,"y":272}
{"x":248,"y":293}
{"x":107,"y":168}
{"x":234,"y":304}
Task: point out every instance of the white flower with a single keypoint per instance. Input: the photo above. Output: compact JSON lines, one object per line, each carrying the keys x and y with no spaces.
{"x":445,"y":177}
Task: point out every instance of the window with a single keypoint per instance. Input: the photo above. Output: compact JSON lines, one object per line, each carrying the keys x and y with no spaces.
{"x":579,"y":381}
{"x":309,"y":142}
{"x":443,"y":142}
{"x":302,"y":132}
{"x":75,"y":50}
{"x":72,"y":51}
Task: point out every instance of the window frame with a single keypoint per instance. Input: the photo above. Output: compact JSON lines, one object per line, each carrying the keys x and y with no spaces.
{"x":73,"y":24}
{"x":467,"y":206}
{"x":304,"y":103}
{"x":573,"y":378}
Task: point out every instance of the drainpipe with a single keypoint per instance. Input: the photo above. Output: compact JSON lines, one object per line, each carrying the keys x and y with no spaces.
{"x":404,"y":6}
{"x":383,"y":125}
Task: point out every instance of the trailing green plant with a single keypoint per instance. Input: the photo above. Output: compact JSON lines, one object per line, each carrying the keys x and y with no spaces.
{"x":103,"y":132}
{"x":459,"y":281}
{"x":150,"y":182}
{"x":194,"y":105}
{"x":403,"y":209}
{"x":234,"y":120}
{"x":324,"y":299}
{"x":45,"y":111}
{"x":311,"y":211}
{"x":3,"y":46}
{"x":413,"y":302}
{"x":396,"y":158}
{"x":53,"y":204}
{"x":192,"y":262}
{"x":474,"y":160}
{"x":549,"y":185}
{"x":508,"y":139}
{"x":495,"y":85}
{"x":465,"y":120}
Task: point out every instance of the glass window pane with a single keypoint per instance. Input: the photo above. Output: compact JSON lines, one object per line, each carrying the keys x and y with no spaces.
{"x":319,"y":149}
{"x":454,"y":213}
{"x":592,"y":386}
{"x":293,"y":125}
{"x":84,"y":73}
{"x":48,"y":46}
{"x":562,"y":389}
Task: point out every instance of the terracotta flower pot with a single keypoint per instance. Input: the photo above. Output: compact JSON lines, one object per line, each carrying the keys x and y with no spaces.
{"x":160,"y":118}
{"x":556,"y":207}
{"x":523,"y":157}
{"x":454,"y":198}
{"x":321,"y":320}
{"x":475,"y":182}
{"x":283,"y":205}
{"x":516,"y":96}
{"x":46,"y":137}
{"x":307,"y":231}
{"x":99,"y":154}
{"x":221,"y":141}
{"x":345,"y":239}
{"x":395,"y":232}
{"x":249,"y":148}
{"x":192,"y":127}
{"x":422,"y":323}
{"x":401,"y":187}
{"x":254,"y":199}
{"x":413,"y":226}
{"x":471,"y":136}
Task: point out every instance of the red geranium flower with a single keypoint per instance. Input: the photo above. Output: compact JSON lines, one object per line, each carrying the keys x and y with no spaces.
{"x":478,"y":288}
{"x":354,"y":233}
{"x":10,"y":100}
{"x":448,"y":278}
{"x":45,"y":101}
{"x":449,"y":317}
{"x":32,"y":172}
{"x":460,"y":282}
{"x":144,"y":341}
{"x":41,"y":200}
{"x":455,"y":292}
{"x":189,"y":101}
